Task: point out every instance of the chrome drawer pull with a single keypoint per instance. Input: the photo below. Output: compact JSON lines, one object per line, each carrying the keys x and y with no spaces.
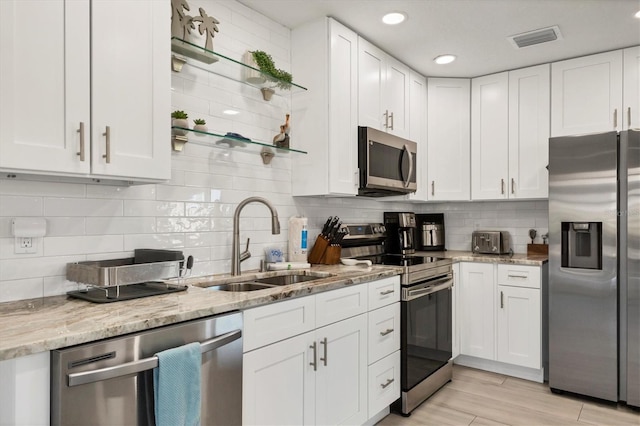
{"x":315,"y":357}
{"x":517,"y":276}
{"x":107,"y":136}
{"x":387,"y":331}
{"x":324,"y":342}
{"x":385,"y":385}
{"x":501,"y":300}
{"x":81,"y":131}
{"x":384,"y":293}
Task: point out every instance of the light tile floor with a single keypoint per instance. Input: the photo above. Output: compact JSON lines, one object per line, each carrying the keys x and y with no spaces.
{"x":476,"y":397}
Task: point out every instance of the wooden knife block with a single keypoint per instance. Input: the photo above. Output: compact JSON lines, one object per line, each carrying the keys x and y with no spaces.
{"x":323,"y":252}
{"x":533,"y":249}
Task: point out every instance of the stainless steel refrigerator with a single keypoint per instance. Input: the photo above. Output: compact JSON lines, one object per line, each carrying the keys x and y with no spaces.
{"x":594,"y":265}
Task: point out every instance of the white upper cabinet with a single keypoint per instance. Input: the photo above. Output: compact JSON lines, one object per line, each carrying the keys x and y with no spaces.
{"x":586,"y":94}
{"x":489,"y":136}
{"x":631,"y":95}
{"x":44,"y":81}
{"x":510,"y":134}
{"x":96,"y":68}
{"x":324,"y":54}
{"x":448,"y":139}
{"x":383,"y":91}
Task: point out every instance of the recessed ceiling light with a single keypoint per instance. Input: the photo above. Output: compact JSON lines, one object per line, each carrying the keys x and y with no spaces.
{"x":394,"y":18}
{"x":444,"y":59}
{"x":637,"y":15}
{"x":230,"y":112}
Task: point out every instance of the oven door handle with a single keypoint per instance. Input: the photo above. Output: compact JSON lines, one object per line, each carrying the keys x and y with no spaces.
{"x":144,"y":364}
{"x":437,"y":285}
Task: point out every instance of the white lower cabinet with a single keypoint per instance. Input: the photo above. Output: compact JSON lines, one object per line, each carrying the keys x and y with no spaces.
{"x":24,"y":390}
{"x":344,"y":369}
{"x":500,"y":318}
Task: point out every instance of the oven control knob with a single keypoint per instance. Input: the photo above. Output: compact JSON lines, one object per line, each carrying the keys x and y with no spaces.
{"x":383,"y":229}
{"x":376,"y":229}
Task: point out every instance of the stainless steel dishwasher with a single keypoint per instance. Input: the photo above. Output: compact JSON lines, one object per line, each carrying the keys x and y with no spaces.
{"x":110,"y":382}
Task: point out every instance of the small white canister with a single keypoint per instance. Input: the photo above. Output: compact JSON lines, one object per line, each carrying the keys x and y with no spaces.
{"x":298,"y":241}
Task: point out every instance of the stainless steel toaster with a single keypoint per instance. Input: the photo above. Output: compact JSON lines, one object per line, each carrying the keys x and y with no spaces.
{"x":490,"y":242}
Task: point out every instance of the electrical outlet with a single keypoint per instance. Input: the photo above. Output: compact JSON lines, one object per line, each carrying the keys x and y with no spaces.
{"x":25,"y":245}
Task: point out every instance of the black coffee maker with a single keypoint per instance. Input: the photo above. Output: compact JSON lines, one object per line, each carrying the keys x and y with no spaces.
{"x":401,"y":230}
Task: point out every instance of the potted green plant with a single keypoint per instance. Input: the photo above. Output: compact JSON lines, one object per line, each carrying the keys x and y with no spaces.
{"x":200,"y":125}
{"x":281,"y":78}
{"x":179,"y":120}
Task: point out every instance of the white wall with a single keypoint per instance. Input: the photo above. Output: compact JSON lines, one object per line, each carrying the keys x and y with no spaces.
{"x":193,"y":212}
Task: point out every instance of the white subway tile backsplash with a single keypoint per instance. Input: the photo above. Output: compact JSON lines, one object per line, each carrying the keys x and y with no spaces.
{"x":137,"y":192}
{"x":14,"y":205}
{"x":120,"y":225}
{"x":64,"y":226}
{"x":62,"y":246}
{"x":12,"y":290}
{"x":153,"y":208}
{"x":16,"y":269}
{"x":58,"y":285}
{"x":182,"y":224}
{"x":157,"y":241}
{"x":50,"y":189}
{"x":82,"y":207}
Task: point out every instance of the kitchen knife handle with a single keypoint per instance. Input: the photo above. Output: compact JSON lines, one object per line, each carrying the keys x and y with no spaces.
{"x":513,"y":186}
{"x":391,"y":116}
{"x":433,"y":187}
{"x":81,"y":131}
{"x":107,"y":135}
{"x":501,"y":300}
{"x":502,"y":186}
{"x":315,"y":356}
{"x":615,"y":118}
{"x":324,"y":342}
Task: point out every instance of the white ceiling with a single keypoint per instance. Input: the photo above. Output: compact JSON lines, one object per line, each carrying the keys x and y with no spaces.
{"x":474,"y":30}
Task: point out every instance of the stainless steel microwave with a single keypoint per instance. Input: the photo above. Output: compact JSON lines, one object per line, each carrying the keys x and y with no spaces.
{"x":387,"y":163}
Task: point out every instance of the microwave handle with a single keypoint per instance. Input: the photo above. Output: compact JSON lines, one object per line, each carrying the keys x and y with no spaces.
{"x":408,"y":152}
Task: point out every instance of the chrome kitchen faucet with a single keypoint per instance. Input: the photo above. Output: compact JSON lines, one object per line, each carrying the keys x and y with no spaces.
{"x":236,"y":257}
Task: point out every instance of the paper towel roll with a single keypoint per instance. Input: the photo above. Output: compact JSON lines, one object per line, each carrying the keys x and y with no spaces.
{"x":296,"y":253}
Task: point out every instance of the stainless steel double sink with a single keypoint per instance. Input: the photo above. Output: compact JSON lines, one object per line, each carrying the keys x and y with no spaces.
{"x":270,"y":281}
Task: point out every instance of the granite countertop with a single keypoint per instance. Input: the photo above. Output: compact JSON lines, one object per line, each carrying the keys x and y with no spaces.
{"x":38,"y":325}
{"x":467,"y":256}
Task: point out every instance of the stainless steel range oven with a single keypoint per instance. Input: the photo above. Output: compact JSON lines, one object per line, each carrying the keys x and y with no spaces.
{"x":426,"y":310}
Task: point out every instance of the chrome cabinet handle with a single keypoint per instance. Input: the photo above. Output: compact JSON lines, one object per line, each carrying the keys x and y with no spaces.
{"x":386,"y":119}
{"x":513,"y":186}
{"x":501,"y":300}
{"x":145,"y":364}
{"x":433,"y":187}
{"x":389,"y":381}
{"x":517,"y":276}
{"x":315,"y":356}
{"x":391,"y":116}
{"x":387,"y":331}
{"x":107,"y":135}
{"x":629,"y":117}
{"x":324,"y":342}
{"x":502,"y":186}
{"x":615,"y":118}
{"x":384,"y":293}
{"x":81,"y":131}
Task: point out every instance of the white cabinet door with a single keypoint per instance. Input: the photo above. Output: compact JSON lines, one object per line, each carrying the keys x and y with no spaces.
{"x":490,"y":136}
{"x":455,"y":312}
{"x":518,"y":322}
{"x":324,"y":54}
{"x":448,"y":139}
{"x":477,"y":310}
{"x":44,"y":81}
{"x":130,"y":89}
{"x":372,"y":72}
{"x":341,"y":388}
{"x":397,"y":97}
{"x":279,"y":383}
{"x":529,"y":105}
{"x":24,"y":394}
{"x":631,"y":95}
{"x":586,"y":94}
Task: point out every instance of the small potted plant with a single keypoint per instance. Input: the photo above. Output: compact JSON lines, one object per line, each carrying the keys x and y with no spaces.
{"x":179,"y":120}
{"x":281,"y":78}
{"x":200,"y":125}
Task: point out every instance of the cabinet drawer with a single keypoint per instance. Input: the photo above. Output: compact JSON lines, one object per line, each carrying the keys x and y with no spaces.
{"x":519,"y":276}
{"x":384,"y":331}
{"x":384,"y":292}
{"x":271,"y":323}
{"x":384,"y":383}
{"x":336,"y":305}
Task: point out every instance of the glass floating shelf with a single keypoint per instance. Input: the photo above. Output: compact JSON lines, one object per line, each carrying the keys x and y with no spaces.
{"x":228,"y":68}
{"x":223,"y":141}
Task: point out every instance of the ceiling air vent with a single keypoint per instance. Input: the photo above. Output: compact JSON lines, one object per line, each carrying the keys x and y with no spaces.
{"x":543,"y":35}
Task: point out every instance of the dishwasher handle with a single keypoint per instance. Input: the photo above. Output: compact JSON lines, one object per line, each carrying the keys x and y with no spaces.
{"x":144,"y":364}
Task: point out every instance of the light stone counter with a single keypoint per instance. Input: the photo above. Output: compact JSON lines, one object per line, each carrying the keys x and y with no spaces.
{"x":38,"y":325}
{"x":467,"y":256}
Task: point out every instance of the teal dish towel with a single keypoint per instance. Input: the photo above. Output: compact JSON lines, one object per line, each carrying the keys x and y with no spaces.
{"x":176,"y":386}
